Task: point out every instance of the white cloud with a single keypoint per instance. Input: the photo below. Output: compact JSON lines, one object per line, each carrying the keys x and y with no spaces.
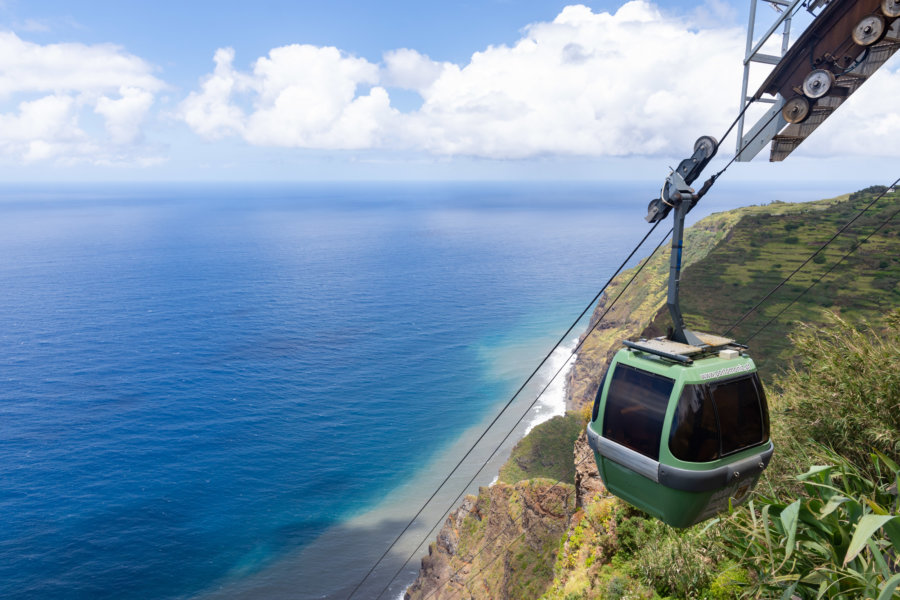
{"x":637,"y":81}
{"x":301,"y":96}
{"x":210,"y":112}
{"x":307,"y":96}
{"x":407,"y":68}
{"x":48,"y":91}
{"x":124,"y":116}
{"x":585,"y":84}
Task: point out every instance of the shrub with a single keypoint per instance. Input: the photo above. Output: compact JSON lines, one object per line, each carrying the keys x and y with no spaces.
{"x":839,"y":539}
{"x":846,"y":393}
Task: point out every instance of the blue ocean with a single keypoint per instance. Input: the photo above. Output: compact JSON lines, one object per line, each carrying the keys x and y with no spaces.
{"x":240,"y":391}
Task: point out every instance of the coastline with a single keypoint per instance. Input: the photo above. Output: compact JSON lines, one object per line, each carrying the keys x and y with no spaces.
{"x":325,"y":569}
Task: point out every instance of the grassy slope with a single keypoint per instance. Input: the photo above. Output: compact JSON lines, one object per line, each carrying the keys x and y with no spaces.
{"x":767,"y":245}
{"x":733,"y":259}
{"x":545,"y":452}
{"x":611,"y":551}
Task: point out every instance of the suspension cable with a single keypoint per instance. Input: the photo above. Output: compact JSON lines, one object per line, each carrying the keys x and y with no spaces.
{"x":581,"y":343}
{"x":853,"y":249}
{"x":805,"y":262}
{"x":705,"y":189}
{"x":849,"y":252}
{"x":497,"y":417}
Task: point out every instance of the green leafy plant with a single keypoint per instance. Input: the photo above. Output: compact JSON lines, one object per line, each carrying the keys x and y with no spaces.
{"x":846,"y":392}
{"x":840,"y":539}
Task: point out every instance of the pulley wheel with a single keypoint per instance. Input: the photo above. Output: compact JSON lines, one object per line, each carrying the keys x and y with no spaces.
{"x":795,"y":110}
{"x":890,"y":8}
{"x":709,"y":145}
{"x":869,"y":30}
{"x":818,"y":83}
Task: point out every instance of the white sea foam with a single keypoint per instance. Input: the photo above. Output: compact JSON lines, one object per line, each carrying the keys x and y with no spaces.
{"x":552,"y":402}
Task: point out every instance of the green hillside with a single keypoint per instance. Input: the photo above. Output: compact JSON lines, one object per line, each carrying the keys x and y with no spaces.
{"x":768,"y":244}
{"x":734,"y":259}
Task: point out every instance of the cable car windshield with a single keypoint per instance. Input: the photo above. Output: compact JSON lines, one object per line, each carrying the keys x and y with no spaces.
{"x":636,"y":409}
{"x":714,"y":420}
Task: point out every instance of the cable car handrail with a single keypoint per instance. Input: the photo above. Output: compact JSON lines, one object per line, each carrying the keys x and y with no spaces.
{"x":675,"y":357}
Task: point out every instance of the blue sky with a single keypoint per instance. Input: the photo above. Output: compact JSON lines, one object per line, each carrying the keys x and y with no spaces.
{"x":391,"y":90}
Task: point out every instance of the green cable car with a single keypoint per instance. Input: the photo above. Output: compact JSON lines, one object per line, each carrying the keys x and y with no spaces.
{"x":680,"y":439}
{"x":680,"y":425}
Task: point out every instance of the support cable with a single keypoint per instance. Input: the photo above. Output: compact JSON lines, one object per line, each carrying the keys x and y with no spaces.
{"x":705,"y":188}
{"x":497,"y":417}
{"x":826,"y":273}
{"x":805,"y":262}
{"x":707,"y":185}
{"x":558,"y":481}
{"x":773,"y":319}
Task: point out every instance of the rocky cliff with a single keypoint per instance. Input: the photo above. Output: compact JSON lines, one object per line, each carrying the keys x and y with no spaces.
{"x":504,"y":542}
{"x":500,"y":544}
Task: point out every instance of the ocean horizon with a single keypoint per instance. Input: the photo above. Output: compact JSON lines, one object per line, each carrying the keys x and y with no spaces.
{"x":234,"y":391}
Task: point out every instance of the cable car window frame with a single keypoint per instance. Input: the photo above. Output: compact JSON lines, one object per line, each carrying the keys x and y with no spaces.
{"x":761,"y":412}
{"x":595,"y":411}
{"x":637,"y":420}
{"x":683,"y":448}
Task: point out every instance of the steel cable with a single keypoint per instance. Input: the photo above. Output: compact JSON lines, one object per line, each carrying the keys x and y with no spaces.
{"x":851,"y":251}
{"x":497,"y":417}
{"x":541,"y":364}
{"x":584,"y":339}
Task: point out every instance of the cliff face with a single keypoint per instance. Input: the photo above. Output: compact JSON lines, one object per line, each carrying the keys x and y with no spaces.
{"x":498,"y":545}
{"x":504,"y":542}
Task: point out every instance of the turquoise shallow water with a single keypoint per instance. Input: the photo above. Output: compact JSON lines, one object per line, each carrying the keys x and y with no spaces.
{"x":198,"y":381}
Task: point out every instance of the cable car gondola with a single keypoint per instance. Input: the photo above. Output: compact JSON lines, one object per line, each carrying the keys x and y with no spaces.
{"x":680,"y":437}
{"x":680,"y":425}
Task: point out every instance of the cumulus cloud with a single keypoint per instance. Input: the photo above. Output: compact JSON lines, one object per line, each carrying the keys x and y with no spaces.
{"x":406,"y":68}
{"x":587,"y":83}
{"x":48,"y":91}
{"x":210,"y":112}
{"x":636,"y":81}
{"x":301,"y":96}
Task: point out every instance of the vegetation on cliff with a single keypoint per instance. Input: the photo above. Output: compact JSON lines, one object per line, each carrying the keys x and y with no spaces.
{"x":732,"y":260}
{"x":547,"y":452}
{"x":834,"y":392}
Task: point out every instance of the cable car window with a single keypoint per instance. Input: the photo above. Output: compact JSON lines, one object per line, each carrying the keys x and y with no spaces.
{"x":636,"y":408}
{"x":598,"y":396}
{"x":741,"y":406}
{"x":695,"y":431}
